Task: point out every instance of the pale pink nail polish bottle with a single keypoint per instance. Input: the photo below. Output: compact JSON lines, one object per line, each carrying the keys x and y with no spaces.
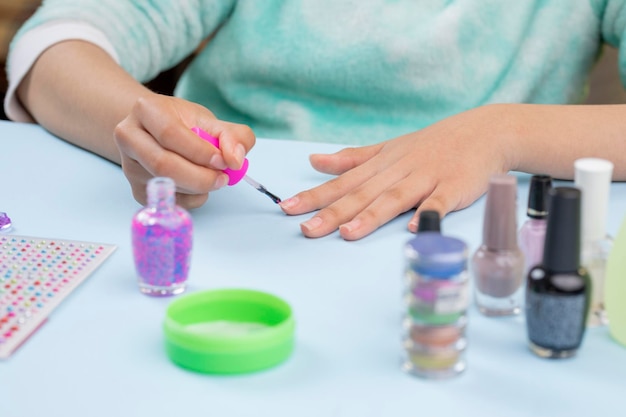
{"x":532,"y":234}
{"x":498,"y":264}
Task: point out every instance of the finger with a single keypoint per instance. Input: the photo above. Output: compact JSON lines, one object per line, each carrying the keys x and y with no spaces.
{"x":373,"y":203}
{"x":137,"y":178}
{"x":191,"y":201}
{"x":344,"y":160}
{"x":331,"y":191}
{"x":327,"y":193}
{"x":444,"y":199}
{"x":387,"y":206}
{"x":235,"y":141}
{"x":160,"y":117}
{"x":140,"y":178}
{"x":190,"y":178}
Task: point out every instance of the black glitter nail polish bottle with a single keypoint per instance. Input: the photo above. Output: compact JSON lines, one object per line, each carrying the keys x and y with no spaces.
{"x":558,"y":290}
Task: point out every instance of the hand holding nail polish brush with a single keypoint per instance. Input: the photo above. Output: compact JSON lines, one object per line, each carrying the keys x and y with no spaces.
{"x":236,"y":175}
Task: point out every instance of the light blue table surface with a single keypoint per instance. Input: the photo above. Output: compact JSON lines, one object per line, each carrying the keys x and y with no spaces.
{"x":101,"y":351}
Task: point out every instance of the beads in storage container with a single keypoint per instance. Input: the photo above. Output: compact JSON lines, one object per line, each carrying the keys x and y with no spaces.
{"x":436,"y":300}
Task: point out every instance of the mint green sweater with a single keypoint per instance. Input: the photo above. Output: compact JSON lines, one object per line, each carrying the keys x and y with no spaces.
{"x":356,"y":72}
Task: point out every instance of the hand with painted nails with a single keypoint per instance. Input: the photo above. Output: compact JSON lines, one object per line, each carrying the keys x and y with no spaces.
{"x":444,"y":167}
{"x":156,"y":140}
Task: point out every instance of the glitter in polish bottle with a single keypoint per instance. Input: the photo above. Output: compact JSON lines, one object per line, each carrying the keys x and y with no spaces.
{"x":162,"y":241}
{"x":558,"y":290}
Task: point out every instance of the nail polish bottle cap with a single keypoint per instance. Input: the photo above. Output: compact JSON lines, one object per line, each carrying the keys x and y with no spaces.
{"x":234,"y":175}
{"x":538,"y":199}
{"x":429,"y":222}
{"x":436,"y":255}
{"x":500,"y":222}
{"x":593,"y":177}
{"x":561,"y":251}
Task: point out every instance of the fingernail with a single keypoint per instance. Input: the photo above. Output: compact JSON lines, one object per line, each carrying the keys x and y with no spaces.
{"x":413,"y":226}
{"x":350,"y":226}
{"x":289,"y":203}
{"x":217,"y":162}
{"x":240,"y":154}
{"x":221,"y":181}
{"x":312,"y":224}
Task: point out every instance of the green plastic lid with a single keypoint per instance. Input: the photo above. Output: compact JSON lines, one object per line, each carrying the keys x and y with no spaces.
{"x":228,"y":331}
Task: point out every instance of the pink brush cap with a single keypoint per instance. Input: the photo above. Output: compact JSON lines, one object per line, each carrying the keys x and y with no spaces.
{"x":234,"y":175}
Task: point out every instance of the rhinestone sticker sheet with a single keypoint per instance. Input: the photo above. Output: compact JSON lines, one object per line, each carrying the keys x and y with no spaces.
{"x":36,"y":274}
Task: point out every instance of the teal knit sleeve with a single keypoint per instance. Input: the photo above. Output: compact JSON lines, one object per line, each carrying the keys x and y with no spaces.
{"x":148,"y":35}
{"x":613,"y":25}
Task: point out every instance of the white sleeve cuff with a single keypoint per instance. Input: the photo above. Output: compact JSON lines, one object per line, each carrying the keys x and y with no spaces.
{"x":32,"y":44}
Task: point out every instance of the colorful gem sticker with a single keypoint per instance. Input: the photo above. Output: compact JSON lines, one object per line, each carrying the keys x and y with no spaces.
{"x":36,"y":274}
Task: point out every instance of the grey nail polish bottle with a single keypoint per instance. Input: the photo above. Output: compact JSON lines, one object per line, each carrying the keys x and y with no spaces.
{"x":557,"y":291}
{"x":498,"y":264}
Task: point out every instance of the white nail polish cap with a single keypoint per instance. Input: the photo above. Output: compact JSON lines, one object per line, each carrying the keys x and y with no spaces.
{"x":593,"y":177}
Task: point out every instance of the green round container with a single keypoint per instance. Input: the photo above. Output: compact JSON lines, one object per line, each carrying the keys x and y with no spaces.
{"x":229,"y":331}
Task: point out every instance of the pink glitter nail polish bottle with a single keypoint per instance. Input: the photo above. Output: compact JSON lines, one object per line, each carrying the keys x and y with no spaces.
{"x":162,"y":240}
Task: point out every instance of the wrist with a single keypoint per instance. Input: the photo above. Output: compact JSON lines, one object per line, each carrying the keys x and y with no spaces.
{"x":507,"y":129}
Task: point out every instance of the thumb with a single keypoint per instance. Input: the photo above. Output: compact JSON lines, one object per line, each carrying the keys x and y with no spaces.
{"x":344,"y":160}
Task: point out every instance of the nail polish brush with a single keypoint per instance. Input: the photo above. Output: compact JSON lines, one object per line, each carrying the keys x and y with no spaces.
{"x":236,"y":175}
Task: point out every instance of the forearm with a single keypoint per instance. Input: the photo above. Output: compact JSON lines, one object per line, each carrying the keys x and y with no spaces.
{"x":78,"y":92}
{"x":549,"y":138}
